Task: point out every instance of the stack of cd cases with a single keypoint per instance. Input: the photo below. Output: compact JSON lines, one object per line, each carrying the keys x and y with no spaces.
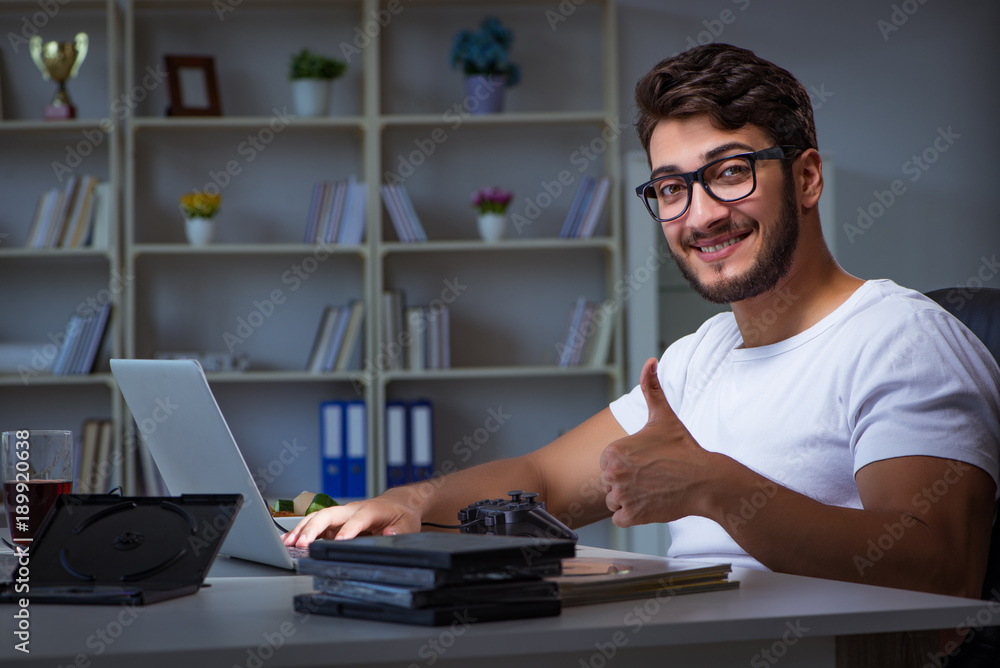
{"x":434,"y":578}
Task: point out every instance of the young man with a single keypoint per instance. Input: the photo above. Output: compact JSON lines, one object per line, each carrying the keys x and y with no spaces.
{"x":823,"y":416}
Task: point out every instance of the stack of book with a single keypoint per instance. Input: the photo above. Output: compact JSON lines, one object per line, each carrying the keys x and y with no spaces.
{"x":403,"y":215}
{"x":586,"y":339}
{"x":423,"y":333}
{"x":72,"y":216}
{"x":81,"y":342}
{"x":434,"y":578}
{"x":337,"y":213}
{"x":338,"y":338}
{"x":586,"y":209}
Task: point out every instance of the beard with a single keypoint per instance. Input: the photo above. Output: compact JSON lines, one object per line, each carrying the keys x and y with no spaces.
{"x":770,"y":265}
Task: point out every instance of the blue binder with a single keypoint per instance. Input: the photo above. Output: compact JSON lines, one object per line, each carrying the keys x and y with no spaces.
{"x":421,"y":440}
{"x":354,"y":439}
{"x":333,"y":454}
{"x":396,"y":446}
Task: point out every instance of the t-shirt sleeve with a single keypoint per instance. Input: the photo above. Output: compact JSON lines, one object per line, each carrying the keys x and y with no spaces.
{"x":930,"y":388}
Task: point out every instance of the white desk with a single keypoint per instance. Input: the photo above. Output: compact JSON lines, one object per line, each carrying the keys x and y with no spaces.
{"x":248,"y":621}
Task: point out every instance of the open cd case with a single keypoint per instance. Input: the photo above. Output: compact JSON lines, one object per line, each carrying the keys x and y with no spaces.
{"x":110,"y":550}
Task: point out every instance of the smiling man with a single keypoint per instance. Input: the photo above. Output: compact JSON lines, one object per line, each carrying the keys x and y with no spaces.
{"x":802,"y":431}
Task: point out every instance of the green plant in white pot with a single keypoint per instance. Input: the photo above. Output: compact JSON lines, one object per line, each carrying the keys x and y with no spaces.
{"x":312,"y":76}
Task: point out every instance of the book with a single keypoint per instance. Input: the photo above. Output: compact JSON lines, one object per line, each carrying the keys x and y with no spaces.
{"x":351,"y":342}
{"x":588,"y":222}
{"x":94,"y":333}
{"x":88,"y":455}
{"x":587,"y":579}
{"x":392,"y":325}
{"x":102,"y":463}
{"x":575,"y":208}
{"x":45,"y":215}
{"x":416,"y":345}
{"x":321,"y":342}
{"x":410,"y":213}
{"x":352,"y":228}
{"x":396,"y":215}
{"x":100,"y":233}
{"x":80,"y":221}
{"x":572,"y":336}
{"x":332,"y":348}
{"x":599,"y":343}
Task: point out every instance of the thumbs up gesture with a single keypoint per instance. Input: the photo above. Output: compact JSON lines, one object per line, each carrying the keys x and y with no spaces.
{"x":660,"y":473}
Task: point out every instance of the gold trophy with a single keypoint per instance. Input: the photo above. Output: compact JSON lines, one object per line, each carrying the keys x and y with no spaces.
{"x":59,"y":61}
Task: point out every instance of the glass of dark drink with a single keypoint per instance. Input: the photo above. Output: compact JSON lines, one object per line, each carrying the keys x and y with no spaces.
{"x":37,"y":466}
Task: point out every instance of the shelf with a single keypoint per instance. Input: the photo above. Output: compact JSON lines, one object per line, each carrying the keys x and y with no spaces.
{"x":475,"y":373}
{"x":472,"y":245}
{"x":349,"y":376}
{"x":21,"y":126}
{"x":293,"y":122}
{"x":56,"y":253}
{"x":503,"y":118}
{"x":247,"y":249}
{"x":11,"y":380}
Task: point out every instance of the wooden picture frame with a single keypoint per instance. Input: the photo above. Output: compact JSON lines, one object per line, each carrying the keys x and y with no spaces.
{"x":194,"y":90}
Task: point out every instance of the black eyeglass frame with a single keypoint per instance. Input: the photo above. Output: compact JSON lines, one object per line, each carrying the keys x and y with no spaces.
{"x":697,"y":176}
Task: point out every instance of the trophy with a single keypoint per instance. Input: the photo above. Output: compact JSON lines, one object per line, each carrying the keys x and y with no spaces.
{"x":59,"y":61}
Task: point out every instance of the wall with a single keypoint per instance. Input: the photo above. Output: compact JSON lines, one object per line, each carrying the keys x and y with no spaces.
{"x":890,"y":81}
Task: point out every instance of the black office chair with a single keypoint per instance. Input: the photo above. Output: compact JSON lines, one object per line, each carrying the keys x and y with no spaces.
{"x":979,"y":310}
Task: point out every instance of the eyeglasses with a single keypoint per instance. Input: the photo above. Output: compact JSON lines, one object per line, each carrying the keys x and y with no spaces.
{"x":727,"y":179}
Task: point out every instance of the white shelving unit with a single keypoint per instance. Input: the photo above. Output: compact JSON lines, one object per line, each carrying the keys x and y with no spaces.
{"x":398,"y":94}
{"x":45,"y":286}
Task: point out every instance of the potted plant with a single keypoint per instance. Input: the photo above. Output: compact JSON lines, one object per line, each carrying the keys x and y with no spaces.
{"x":312,"y":78}
{"x":482,"y":55}
{"x":492,"y":203}
{"x":199,"y":209}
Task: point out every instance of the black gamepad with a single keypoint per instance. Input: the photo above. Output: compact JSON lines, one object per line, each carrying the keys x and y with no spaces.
{"x":520,"y":515}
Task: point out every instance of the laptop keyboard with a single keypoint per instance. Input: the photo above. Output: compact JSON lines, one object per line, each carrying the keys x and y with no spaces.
{"x":297,"y":552}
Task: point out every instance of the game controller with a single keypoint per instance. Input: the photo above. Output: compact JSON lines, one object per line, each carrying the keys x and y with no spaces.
{"x":520,"y":515}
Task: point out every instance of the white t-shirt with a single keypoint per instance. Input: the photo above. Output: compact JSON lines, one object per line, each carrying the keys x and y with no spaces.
{"x":888,"y":374}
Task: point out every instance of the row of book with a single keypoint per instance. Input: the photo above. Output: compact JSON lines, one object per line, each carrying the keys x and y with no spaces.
{"x":338,"y":339}
{"x":75,"y":215}
{"x":586,"y":208}
{"x":418,"y":337}
{"x":401,"y":212}
{"x":586,"y":339}
{"x":104,"y":462}
{"x":337,"y":212}
{"x":81,"y":342}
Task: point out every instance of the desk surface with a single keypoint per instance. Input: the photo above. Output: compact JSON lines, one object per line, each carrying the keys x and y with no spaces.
{"x":245,"y":618}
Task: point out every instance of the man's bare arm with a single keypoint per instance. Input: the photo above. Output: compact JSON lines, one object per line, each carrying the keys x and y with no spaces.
{"x":565,"y":473}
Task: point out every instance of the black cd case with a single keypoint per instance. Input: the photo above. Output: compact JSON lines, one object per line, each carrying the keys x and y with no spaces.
{"x":106,"y":549}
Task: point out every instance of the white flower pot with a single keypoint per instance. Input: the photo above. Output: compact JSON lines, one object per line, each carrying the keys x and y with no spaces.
{"x":492,"y":226}
{"x":199,"y":231}
{"x":311,"y":97}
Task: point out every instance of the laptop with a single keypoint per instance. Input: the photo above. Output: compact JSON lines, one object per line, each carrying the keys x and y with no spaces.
{"x":195,"y":451}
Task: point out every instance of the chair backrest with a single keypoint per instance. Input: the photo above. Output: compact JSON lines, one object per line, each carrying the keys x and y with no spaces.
{"x":979,"y":310}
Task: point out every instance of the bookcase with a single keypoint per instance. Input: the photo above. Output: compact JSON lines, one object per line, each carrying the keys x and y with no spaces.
{"x":45,"y":286}
{"x":397,"y":114}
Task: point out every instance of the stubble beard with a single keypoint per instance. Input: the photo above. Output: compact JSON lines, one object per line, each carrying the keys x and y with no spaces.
{"x":770,"y":266}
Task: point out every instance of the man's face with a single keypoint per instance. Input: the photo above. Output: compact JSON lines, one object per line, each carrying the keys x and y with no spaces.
{"x":732,"y":251}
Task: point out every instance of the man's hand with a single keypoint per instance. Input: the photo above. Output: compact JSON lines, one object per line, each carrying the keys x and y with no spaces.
{"x":379,"y":516}
{"x":659,"y":473}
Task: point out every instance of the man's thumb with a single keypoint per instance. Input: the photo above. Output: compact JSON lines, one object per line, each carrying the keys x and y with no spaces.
{"x":656,"y":401}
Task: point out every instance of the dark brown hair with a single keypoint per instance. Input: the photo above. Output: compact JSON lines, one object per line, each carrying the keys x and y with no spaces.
{"x":733,"y":87}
